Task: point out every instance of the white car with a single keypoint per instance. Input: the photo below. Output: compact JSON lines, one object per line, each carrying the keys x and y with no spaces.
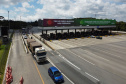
{"x":25,"y":37}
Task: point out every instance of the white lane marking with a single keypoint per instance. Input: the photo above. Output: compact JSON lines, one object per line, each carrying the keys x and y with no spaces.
{"x":52,"y":53}
{"x":96,"y":55}
{"x":68,"y":60}
{"x":82,"y":58}
{"x":92,"y":76}
{"x":59,"y":70}
{"x":23,"y":44}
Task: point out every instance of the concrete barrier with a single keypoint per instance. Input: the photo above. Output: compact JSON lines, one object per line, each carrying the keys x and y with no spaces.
{"x":25,"y":46}
{"x":44,"y":41}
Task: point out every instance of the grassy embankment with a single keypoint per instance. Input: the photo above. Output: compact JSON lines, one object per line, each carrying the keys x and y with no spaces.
{"x":4,"y":50}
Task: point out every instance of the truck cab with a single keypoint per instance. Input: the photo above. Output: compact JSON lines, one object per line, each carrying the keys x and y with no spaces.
{"x":40,"y":54}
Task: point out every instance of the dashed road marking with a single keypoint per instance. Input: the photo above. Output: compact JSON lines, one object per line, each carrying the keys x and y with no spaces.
{"x":92,"y":76}
{"x":82,"y":58}
{"x":39,"y":72}
{"x":60,"y":71}
{"x":68,"y":61}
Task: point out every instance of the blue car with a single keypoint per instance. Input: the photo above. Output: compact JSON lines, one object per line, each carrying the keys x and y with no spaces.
{"x":55,"y":74}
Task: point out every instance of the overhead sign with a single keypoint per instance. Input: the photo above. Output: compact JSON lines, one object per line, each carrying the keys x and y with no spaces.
{"x":77,"y":22}
{"x":58,"y":22}
{"x":94,"y":22}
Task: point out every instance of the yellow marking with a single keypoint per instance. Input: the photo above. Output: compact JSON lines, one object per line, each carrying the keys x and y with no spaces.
{"x":82,"y":37}
{"x":39,"y":72}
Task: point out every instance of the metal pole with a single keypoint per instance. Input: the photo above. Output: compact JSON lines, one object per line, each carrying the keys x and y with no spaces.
{"x":20,"y":21}
{"x":8,"y":20}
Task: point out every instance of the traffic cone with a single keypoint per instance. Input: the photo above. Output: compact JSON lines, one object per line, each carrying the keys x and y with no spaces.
{"x":22,"y":80}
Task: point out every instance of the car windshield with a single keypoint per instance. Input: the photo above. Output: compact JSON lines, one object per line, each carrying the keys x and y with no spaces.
{"x":57,"y":73}
{"x":41,"y":53}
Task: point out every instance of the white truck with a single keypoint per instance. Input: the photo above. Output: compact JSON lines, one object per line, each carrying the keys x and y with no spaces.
{"x":38,"y":51}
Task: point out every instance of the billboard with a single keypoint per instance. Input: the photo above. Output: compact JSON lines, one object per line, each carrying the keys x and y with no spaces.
{"x":94,"y":22}
{"x":58,"y":22}
{"x":77,"y":22}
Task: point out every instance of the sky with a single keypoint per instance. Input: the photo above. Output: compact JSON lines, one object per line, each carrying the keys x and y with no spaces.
{"x":32,"y":10}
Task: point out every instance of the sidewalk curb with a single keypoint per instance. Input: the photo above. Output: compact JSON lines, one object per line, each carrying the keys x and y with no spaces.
{"x":24,"y":44}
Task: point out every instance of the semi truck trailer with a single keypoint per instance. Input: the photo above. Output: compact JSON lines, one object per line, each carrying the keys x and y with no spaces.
{"x":38,"y":51}
{"x":30,"y":41}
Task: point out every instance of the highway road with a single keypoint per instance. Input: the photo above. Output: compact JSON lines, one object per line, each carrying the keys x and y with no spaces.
{"x":101,"y":63}
{"x":24,"y":65}
{"x":71,"y":74}
{"x":98,"y":60}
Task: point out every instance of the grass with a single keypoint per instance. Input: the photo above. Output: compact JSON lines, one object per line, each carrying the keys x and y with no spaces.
{"x":4,"y":50}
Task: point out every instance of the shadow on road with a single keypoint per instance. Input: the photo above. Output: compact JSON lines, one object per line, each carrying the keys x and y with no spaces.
{"x":43,"y":63}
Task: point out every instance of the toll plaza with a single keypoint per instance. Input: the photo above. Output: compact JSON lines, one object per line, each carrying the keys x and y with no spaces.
{"x":76,"y":28}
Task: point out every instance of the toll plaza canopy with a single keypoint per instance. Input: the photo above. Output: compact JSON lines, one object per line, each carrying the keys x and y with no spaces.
{"x":62,"y":24}
{"x":76,"y":27}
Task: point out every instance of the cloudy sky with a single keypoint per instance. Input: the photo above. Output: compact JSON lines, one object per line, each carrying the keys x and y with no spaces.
{"x":31,"y":10}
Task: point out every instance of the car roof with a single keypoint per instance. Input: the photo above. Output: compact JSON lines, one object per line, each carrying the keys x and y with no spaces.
{"x":54,"y":69}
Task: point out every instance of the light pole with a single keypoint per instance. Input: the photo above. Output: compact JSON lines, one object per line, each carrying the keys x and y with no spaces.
{"x":20,"y":21}
{"x":8,"y":20}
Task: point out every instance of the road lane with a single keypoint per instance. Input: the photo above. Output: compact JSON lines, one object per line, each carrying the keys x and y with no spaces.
{"x":22,"y":64}
{"x":71,"y":72}
{"x":101,"y":70}
{"x":108,"y":68}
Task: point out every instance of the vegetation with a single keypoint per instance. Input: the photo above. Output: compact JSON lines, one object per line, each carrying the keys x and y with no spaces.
{"x":120,"y":26}
{"x":17,"y":24}
{"x":4,"y":50}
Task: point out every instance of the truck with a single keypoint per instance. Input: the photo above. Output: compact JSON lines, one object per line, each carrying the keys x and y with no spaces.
{"x":38,"y":51}
{"x":30,"y":41}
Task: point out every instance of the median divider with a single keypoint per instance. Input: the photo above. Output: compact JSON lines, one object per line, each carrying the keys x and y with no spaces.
{"x":25,"y":46}
{"x":43,"y":41}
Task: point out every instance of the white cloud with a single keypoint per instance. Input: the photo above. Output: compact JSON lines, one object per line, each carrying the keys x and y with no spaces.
{"x":2,"y":11}
{"x":71,"y":8}
{"x":27,"y":5}
{"x":21,"y":9}
{"x":8,"y":3}
{"x":81,"y":8}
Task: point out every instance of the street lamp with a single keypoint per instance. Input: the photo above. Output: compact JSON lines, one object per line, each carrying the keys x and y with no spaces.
{"x":20,"y":21}
{"x":8,"y":20}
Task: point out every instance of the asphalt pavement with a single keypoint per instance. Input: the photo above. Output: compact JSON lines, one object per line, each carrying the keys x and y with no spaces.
{"x":90,"y":60}
{"x":22,"y":63}
{"x":81,"y":61}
